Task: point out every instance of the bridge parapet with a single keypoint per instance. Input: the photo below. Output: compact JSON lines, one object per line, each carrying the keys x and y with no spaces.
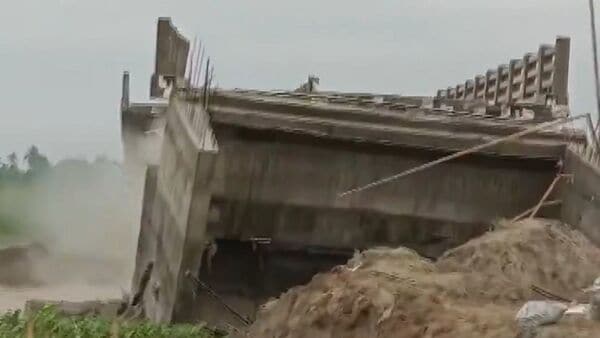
{"x":540,"y":78}
{"x":413,"y":127}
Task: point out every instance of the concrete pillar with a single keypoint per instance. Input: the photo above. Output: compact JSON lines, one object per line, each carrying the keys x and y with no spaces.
{"x":539,"y":80}
{"x":488,"y":75}
{"x":171,"y":55}
{"x":560,"y":83}
{"x":179,"y":213}
{"x":195,"y":238}
{"x":147,"y":237}
{"x":497,"y":87}
{"x":125,"y":92}
{"x":441,"y":94}
{"x":181,"y":239}
{"x":467,"y":89}
{"x":511,"y":68}
{"x":478,"y":82}
{"x":524,"y":75}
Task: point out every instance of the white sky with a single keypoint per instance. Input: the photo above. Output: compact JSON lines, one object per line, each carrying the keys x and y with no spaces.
{"x":61,"y":60}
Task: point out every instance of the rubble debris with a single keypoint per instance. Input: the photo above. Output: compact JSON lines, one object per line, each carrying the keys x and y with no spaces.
{"x":594,"y":307}
{"x":472,"y":291}
{"x":537,"y":313}
{"x":577,"y":309}
{"x":595,"y":286}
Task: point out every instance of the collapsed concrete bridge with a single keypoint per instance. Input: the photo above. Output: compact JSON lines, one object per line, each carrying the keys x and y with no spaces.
{"x":243,"y":192}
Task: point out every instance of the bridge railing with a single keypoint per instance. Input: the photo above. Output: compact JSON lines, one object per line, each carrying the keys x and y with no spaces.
{"x":540,"y":77}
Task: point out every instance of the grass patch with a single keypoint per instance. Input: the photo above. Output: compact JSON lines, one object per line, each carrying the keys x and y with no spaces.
{"x":47,"y":323}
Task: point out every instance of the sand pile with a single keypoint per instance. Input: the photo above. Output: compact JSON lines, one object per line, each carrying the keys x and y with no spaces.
{"x":396,"y":293}
{"x":502,"y":265}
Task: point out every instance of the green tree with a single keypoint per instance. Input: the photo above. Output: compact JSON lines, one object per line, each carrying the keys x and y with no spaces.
{"x":13,"y":161}
{"x":35,"y":160}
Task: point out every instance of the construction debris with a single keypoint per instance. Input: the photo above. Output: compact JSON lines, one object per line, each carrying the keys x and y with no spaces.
{"x":537,"y":313}
{"x":594,"y":307}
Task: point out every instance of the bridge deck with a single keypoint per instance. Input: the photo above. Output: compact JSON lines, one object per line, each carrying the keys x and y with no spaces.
{"x":380,"y":123}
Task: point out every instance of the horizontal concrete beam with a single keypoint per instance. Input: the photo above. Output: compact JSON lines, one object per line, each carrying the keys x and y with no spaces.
{"x":342,"y":229}
{"x":388,"y":135}
{"x":422,"y":118}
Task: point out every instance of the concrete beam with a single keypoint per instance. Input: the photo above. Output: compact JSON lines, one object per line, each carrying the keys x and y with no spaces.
{"x":378,"y":134}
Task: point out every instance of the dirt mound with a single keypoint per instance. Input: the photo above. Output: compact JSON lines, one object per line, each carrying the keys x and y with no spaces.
{"x":379,"y":293}
{"x":502,"y":265}
{"x":397,"y":293}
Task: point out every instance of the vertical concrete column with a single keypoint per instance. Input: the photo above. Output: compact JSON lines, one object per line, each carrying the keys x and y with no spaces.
{"x":479,"y":80}
{"x":195,"y":238}
{"x":467,"y":83}
{"x":539,"y":79}
{"x":488,"y":74}
{"x":125,"y":92}
{"x":438,"y":96}
{"x":497,"y":87}
{"x":449,"y":94}
{"x":524,"y":75}
{"x":560,"y":83}
{"x":509,"y":89}
{"x":179,"y":212}
{"x":147,"y":237}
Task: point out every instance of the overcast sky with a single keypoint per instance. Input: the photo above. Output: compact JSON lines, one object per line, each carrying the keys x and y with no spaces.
{"x":61,"y":60}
